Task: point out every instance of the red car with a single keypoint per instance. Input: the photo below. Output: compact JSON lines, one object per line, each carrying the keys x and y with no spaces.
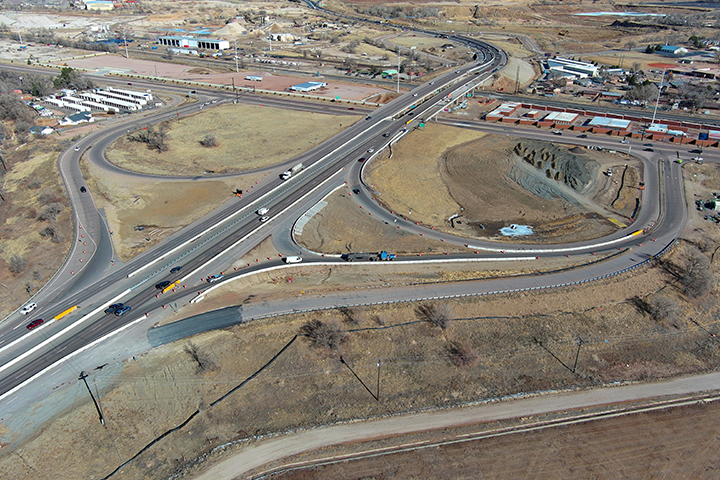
{"x":362,"y":159}
{"x":35,"y":323}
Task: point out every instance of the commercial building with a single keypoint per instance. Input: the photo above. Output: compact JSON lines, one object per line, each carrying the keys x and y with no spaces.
{"x":572,"y":68}
{"x":192,"y":42}
{"x":103,"y":5}
{"x":610,"y":123}
{"x":672,"y":51}
{"x":308,"y":86}
{"x":561,"y":118}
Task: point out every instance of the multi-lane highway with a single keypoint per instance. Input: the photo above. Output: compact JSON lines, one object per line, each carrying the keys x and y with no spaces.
{"x":202,"y":246}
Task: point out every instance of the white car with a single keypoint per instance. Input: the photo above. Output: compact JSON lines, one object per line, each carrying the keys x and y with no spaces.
{"x":77,"y":149}
{"x":263,"y":211}
{"x":371,"y":150}
{"x":293,"y":259}
{"x":28,"y":308}
{"x":264,"y":219}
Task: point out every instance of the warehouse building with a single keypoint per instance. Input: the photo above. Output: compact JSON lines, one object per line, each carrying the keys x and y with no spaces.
{"x":192,"y":42}
{"x":308,"y":86}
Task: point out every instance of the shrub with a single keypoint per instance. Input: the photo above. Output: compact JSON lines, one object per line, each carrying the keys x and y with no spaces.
{"x":51,"y":211}
{"x":462,"y":354}
{"x":209,"y":141}
{"x":661,"y":307}
{"x":17,"y":263}
{"x":438,"y":315}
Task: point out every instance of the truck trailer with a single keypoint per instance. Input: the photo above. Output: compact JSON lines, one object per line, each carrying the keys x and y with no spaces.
{"x":368,"y":257}
{"x":293,"y":171}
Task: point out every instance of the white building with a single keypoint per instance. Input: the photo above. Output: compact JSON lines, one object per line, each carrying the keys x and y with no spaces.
{"x":572,"y":68}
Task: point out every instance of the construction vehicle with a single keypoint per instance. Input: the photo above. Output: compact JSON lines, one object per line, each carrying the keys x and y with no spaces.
{"x":289,"y":173}
{"x":238,"y":192}
{"x":368,"y":257}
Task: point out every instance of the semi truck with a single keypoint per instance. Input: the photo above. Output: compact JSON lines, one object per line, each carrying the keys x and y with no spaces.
{"x":294,"y":170}
{"x":368,"y":257}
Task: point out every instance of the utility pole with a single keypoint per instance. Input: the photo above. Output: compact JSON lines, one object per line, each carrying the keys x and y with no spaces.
{"x":577,"y":355}
{"x":234,"y":90}
{"x":83,"y":376}
{"x":517,"y":80}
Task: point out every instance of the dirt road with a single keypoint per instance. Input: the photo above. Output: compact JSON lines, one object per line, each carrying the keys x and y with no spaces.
{"x":278,"y":448}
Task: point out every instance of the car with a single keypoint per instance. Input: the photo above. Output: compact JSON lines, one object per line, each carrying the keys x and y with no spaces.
{"x":356,"y":191}
{"x":292,"y":259}
{"x":351,"y":108}
{"x":122,"y":311}
{"x":648,"y":149}
{"x":214,"y":101}
{"x":162,"y":285}
{"x":263,"y":211}
{"x":432,"y":83}
{"x":215,"y":278}
{"x":361,"y":159}
{"x":35,"y":323}
{"x":28,"y":308}
{"x":83,"y":189}
{"x":113,"y":308}
{"x":557,"y":132}
{"x":77,"y":149}
{"x":648,"y":145}
{"x":129,"y":83}
{"x":386,"y":134}
{"x":411,"y":114}
{"x":698,"y":159}
{"x":415,"y":94}
{"x":582,"y":135}
{"x":264,"y":218}
{"x":371,"y":150}
{"x":457,"y":71}
{"x":696,"y":150}
{"x":176,"y":269}
{"x":368,"y":117}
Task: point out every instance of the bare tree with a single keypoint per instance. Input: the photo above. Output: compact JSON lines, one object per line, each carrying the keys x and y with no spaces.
{"x":661,"y":307}
{"x":695,"y":276}
{"x":438,"y":315}
{"x":462,"y":354}
{"x":204,"y":360}
{"x":327,"y":336}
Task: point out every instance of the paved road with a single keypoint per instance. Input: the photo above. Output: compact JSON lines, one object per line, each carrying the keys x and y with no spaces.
{"x":263,"y":452}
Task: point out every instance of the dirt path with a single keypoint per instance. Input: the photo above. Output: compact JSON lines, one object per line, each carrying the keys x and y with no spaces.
{"x":277,"y":448}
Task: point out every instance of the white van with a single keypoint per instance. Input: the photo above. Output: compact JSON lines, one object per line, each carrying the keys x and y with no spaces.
{"x":262,"y":211}
{"x":293,"y":259}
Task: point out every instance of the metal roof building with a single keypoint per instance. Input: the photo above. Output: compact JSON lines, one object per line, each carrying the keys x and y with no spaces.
{"x":605,"y":122}
{"x":308,"y":86}
{"x":192,"y":42}
{"x":561,"y":117}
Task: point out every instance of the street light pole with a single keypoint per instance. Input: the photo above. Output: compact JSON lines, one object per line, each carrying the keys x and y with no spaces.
{"x":657,"y":101}
{"x":398,"y":73}
{"x":236,"y":61}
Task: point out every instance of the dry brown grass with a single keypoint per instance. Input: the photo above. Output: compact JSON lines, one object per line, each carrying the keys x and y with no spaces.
{"x":307,"y":387}
{"x":248,"y":138}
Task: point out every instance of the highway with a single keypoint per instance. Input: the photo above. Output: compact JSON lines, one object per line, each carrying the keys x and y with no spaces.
{"x":200,"y":243}
{"x":210,"y":243}
{"x":203,"y":245}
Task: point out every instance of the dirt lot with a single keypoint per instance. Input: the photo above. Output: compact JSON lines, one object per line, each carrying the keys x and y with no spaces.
{"x":673,"y":444}
{"x":478,"y":177}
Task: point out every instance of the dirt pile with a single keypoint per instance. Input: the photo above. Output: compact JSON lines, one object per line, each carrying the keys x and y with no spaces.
{"x":558,"y":164}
